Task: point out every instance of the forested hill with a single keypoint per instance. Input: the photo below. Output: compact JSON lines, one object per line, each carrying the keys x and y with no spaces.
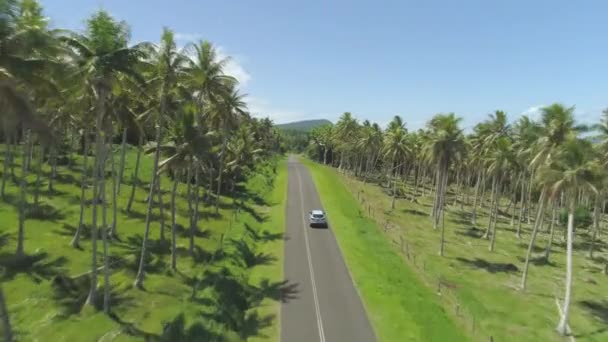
{"x":304,"y":126}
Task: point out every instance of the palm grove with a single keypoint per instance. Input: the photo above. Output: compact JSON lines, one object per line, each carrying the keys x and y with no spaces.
{"x":550,"y":170}
{"x":67,"y":93}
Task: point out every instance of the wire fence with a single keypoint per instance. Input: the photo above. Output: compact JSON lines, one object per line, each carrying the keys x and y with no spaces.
{"x":447,"y":292}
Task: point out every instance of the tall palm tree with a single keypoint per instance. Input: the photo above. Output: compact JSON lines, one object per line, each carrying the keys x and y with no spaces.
{"x":570,"y":170}
{"x":396,"y":150}
{"x":445,"y":145}
{"x":558,"y":126}
{"x":99,"y":56}
{"x":225,"y":113}
{"x":168,"y":67}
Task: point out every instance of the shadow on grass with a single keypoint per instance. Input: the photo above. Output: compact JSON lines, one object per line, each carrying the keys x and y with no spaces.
{"x":246,"y":256}
{"x":539,"y":260}
{"x":185,"y":231}
{"x":154,"y":216}
{"x":37,"y":266}
{"x":154,"y":262}
{"x":71,"y":294}
{"x":489,"y":266}
{"x":43,"y":211}
{"x":233,"y":300}
{"x":259,"y":218}
{"x":471,"y":232}
{"x":177,"y":330}
{"x":263,"y":236}
{"x":70,"y":230}
{"x":67,"y":179}
{"x":415,"y":212}
{"x":599,"y":310}
{"x":5,"y":238}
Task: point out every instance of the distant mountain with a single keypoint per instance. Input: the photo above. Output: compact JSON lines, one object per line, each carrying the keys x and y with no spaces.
{"x":304,"y":126}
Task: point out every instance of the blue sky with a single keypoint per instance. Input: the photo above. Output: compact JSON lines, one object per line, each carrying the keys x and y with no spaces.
{"x":317,"y":59}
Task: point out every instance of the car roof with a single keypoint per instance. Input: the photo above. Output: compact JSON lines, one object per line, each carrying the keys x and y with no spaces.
{"x":317,"y":212}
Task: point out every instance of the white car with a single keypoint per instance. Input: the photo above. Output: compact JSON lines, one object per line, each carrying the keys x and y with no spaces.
{"x":318,"y":218}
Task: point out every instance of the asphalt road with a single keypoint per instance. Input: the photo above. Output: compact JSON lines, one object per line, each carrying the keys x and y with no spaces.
{"x":326,"y":306}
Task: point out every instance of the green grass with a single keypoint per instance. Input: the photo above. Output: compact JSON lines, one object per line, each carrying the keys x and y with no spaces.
{"x":400,"y":307}
{"x":238,"y":284}
{"x":483,"y":285}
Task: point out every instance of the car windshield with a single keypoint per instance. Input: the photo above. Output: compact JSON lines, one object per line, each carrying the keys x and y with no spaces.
{"x":317,"y":215}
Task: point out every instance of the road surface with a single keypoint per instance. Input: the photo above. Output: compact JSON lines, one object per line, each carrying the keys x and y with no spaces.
{"x":326,"y":306}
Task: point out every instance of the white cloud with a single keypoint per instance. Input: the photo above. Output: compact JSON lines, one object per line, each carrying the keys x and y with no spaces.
{"x":259,"y":107}
{"x":533,"y":112}
{"x":187,"y":37}
{"x":234,"y":66}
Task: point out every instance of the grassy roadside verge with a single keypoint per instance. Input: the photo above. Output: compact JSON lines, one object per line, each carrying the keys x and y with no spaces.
{"x":273,"y":248}
{"x":399,"y":306}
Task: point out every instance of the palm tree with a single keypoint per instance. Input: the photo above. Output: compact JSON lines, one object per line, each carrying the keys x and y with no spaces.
{"x":558,"y":126}
{"x":569,"y":171}
{"x":168,"y":68}
{"x":206,"y":79}
{"x":6,"y":323}
{"x":344,"y":136}
{"x":99,"y":57}
{"x":500,"y":160}
{"x":396,"y":150}
{"x":225,"y":114}
{"x":445,"y":145}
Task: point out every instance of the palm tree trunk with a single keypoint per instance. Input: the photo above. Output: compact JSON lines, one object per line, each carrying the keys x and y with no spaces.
{"x":495,"y":218}
{"x":6,"y":323}
{"x":139,"y":279}
{"x":115,"y":186}
{"x":486,"y":235}
{"x":438,"y":183}
{"x":194,"y":218}
{"x":23,"y":199}
{"x":551,"y":231}
{"x":38,"y":174}
{"x":173,"y":225}
{"x":104,"y":232}
{"x":221,"y":167}
{"x":99,"y":155}
{"x":53,"y":156}
{"x":596,"y":224}
{"x":562,"y":327}
{"x":30,"y":155}
{"x":474,"y":219}
{"x":482,"y":194}
{"x":83,"y":185}
{"x":7,"y":163}
{"x":394,"y":187}
{"x":123,"y":153}
{"x":537,"y":223}
{"x":529,"y":197}
{"x":457,"y":188}
{"x":134,"y":177}
{"x":442,"y":211}
{"x":161,"y":209}
{"x":522,"y":202}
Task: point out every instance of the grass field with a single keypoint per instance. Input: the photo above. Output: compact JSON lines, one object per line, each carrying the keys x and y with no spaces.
{"x":480,"y":289}
{"x":399,"y":305}
{"x":228,"y":291}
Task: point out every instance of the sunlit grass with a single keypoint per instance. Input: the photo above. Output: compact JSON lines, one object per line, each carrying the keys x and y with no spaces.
{"x":40,"y":310}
